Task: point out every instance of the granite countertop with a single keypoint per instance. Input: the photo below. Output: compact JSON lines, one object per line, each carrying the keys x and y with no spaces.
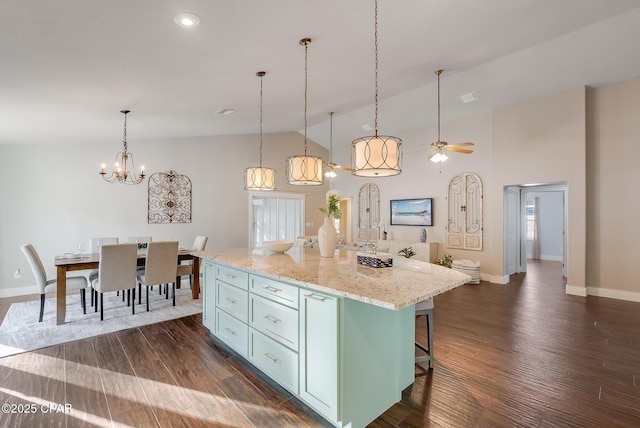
{"x":406,"y":283}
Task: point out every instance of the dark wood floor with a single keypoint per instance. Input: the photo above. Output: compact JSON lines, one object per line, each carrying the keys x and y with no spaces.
{"x":522,"y":354}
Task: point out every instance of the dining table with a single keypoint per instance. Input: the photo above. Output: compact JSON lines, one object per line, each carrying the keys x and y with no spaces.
{"x":75,"y":262}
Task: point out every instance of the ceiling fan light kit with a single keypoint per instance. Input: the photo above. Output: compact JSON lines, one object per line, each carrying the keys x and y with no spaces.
{"x":377,"y":155}
{"x":332,"y":166}
{"x":437,"y":154}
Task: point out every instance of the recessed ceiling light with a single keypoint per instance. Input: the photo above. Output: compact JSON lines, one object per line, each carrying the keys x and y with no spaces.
{"x":366,"y":127}
{"x":187,"y":20}
{"x":226,"y":111}
{"x":469,"y":97}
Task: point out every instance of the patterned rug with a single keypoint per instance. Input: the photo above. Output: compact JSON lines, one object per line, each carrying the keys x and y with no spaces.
{"x":21,"y":331}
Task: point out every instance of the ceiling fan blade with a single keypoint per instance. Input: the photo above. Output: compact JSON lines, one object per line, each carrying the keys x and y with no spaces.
{"x":344,"y":168}
{"x":433,"y":153}
{"x":455,"y":149}
{"x":467,"y":143}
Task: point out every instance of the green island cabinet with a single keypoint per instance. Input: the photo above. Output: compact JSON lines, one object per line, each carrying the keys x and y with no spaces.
{"x":346,"y":359}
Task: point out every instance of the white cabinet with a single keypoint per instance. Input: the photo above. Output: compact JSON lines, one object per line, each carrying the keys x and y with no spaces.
{"x":209,"y":297}
{"x":346,"y":359}
{"x":319,"y":352}
{"x":425,"y":251}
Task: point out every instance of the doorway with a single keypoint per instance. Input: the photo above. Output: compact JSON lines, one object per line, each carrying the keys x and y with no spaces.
{"x":522,"y":215}
{"x":275,"y":217}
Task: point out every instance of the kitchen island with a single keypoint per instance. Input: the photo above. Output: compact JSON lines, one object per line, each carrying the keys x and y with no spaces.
{"x":338,"y":335}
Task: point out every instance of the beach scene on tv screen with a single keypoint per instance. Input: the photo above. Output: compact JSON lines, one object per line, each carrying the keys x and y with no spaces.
{"x":411,"y":212}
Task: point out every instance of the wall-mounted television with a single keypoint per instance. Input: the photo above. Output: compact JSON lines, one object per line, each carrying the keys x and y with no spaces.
{"x":412,"y":212}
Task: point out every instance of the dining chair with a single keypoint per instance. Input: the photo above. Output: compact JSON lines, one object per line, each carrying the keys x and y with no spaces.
{"x":161,"y":267}
{"x":94,"y":247}
{"x":116,"y":272}
{"x":49,"y":286}
{"x":425,"y":308}
{"x":186,"y":268}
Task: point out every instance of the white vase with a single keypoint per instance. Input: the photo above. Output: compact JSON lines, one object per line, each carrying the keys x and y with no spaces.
{"x":327,"y":238}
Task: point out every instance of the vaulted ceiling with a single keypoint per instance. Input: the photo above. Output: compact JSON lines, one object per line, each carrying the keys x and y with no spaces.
{"x":69,"y":66}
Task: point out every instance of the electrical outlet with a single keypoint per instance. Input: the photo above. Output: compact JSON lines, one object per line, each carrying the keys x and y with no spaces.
{"x":17,"y":274}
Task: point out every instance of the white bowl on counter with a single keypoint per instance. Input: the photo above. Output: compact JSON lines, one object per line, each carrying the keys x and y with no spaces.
{"x":278,"y":246}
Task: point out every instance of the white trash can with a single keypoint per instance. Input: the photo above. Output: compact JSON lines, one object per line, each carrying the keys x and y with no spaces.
{"x":468,"y":267}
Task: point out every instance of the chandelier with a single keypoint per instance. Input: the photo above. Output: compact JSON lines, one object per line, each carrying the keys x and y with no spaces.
{"x":259,"y":178}
{"x":303,"y":170}
{"x":124,"y":163}
{"x":376,"y":155}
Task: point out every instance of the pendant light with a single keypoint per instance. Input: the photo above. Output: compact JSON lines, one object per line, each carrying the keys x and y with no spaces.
{"x":124,"y":165}
{"x":376,"y":155}
{"x":330,"y":173}
{"x":304,"y":170}
{"x":259,"y":178}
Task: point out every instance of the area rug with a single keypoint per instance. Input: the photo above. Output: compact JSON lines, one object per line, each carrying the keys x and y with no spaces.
{"x":21,"y":331}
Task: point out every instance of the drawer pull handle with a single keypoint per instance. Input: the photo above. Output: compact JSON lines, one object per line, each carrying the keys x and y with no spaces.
{"x":272,"y":319}
{"x":270,"y":358}
{"x":315,"y":297}
{"x":272,"y":289}
{"x":230,"y":331}
{"x":232,"y":301}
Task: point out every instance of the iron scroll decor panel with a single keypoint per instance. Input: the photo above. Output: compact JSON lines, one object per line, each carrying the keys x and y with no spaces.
{"x":169,"y":198}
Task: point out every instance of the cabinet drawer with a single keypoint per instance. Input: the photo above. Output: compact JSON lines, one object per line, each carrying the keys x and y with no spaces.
{"x":275,"y":320}
{"x":232,"y":332}
{"x":233,"y":300}
{"x":232,"y":276}
{"x":274,"y":290}
{"x":277,"y":361}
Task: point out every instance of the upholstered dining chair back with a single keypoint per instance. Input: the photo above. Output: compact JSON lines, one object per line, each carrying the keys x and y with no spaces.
{"x":200,"y":243}
{"x":37,"y":267}
{"x":49,"y":286}
{"x":96,"y":243}
{"x":162,"y":262}
{"x":117,"y":269}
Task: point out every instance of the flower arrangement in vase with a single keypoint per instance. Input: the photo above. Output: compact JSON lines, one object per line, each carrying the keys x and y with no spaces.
{"x":327,"y":234}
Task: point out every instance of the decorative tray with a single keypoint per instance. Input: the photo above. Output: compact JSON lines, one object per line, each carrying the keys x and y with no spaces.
{"x":378,"y":260}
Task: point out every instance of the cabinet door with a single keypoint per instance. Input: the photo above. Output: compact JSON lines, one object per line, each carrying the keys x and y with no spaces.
{"x":209,"y":297}
{"x":319,"y":352}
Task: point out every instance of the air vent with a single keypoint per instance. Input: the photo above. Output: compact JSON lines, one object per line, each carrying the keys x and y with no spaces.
{"x":468,"y":97}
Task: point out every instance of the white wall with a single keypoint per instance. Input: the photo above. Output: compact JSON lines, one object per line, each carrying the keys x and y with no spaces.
{"x":613,"y":151}
{"x":54,"y":197}
{"x":550,"y":221}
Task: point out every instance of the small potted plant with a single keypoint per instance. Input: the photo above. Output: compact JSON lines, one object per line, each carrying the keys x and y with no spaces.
{"x":445,"y":260}
{"x":407,"y":252}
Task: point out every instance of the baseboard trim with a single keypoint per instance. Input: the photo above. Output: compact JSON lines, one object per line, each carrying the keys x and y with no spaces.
{"x":495,"y":279}
{"x":630,"y":296}
{"x":575,"y":290}
{"x":19,"y":291}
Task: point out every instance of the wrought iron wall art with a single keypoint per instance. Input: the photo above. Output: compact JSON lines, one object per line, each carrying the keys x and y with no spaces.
{"x":169,"y":198}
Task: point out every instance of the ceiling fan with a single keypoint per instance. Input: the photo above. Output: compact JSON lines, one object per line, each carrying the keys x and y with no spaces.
{"x":331,"y":166}
{"x":439,"y":147}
